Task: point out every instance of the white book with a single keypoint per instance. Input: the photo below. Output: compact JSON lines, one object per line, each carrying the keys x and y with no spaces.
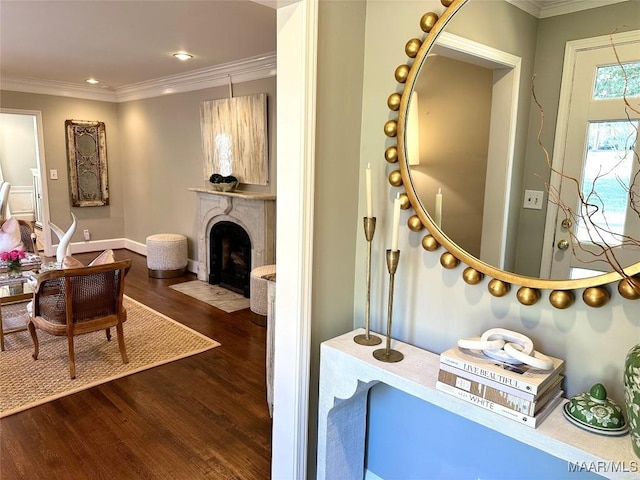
{"x":499,"y":395}
{"x":522,"y":377}
{"x":528,"y":420}
{"x":531,"y":397}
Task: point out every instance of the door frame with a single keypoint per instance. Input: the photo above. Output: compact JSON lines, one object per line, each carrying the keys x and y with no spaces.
{"x":296,"y":105}
{"x":502,"y":136}
{"x":42,"y":167}
{"x":571,"y":51}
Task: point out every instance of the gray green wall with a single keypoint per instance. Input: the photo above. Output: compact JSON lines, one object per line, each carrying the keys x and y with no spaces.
{"x":154,"y":155}
{"x":337,"y":227}
{"x":17,"y":148}
{"x":105,"y":222}
{"x":162,"y":146}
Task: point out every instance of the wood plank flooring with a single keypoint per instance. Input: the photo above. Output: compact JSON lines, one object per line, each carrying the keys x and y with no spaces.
{"x":202,"y":417}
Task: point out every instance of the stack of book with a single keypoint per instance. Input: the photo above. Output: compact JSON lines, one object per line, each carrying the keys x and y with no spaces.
{"x":519,"y":392}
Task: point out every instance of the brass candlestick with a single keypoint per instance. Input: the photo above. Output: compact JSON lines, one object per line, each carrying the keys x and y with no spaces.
{"x":387,"y":354}
{"x":367,"y":339}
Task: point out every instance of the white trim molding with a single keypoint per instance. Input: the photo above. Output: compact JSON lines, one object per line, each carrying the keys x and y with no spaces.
{"x":296,"y":86}
{"x":253,"y":68}
{"x":552,"y":8}
{"x":60,"y":89}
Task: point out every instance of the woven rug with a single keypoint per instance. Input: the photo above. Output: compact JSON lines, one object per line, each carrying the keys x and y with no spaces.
{"x":214,"y":295}
{"x":151,"y":339}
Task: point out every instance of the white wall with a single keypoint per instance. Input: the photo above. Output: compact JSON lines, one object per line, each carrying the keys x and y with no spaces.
{"x":433,"y":307}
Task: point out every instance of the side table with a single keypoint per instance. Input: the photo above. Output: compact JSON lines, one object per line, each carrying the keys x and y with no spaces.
{"x":15,"y":291}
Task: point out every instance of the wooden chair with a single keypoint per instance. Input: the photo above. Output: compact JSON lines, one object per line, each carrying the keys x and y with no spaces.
{"x":80,"y":300}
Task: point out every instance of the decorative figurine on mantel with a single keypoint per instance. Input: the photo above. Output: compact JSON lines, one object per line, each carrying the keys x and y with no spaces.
{"x":223,"y":184}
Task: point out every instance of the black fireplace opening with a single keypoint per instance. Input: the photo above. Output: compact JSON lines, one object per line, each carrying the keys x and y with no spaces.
{"x":230,"y":257}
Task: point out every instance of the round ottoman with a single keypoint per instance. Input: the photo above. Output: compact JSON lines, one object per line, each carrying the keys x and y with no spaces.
{"x":166,"y":255}
{"x":258,"y":296}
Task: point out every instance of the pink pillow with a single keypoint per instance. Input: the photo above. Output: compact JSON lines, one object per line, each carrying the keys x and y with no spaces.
{"x":104,"y":258}
{"x":70,"y":262}
{"x":10,"y":238}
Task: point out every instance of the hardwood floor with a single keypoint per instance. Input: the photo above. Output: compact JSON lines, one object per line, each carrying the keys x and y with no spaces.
{"x":202,"y":417}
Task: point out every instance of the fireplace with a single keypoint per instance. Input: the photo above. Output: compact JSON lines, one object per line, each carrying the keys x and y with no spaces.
{"x":230,"y":257}
{"x":229,"y":213}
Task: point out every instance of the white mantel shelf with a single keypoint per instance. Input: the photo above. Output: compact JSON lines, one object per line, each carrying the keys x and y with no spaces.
{"x":235,"y":193}
{"x":348,"y":370}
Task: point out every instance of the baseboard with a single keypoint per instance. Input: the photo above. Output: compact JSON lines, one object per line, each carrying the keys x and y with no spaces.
{"x":96,"y":245}
{"x":115,"y":243}
{"x":134,"y":246}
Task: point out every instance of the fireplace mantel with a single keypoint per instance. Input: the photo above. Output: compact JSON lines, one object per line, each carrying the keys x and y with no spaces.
{"x":255,"y":212}
{"x":235,"y":193}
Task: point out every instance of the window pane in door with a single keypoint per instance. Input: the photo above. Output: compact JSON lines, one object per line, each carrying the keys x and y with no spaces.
{"x":606,"y":179}
{"x":611,"y":80}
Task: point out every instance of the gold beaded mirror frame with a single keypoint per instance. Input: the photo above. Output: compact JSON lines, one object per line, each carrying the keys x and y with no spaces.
{"x":594,"y":290}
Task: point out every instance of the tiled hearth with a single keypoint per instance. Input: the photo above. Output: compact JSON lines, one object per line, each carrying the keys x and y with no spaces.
{"x":254,"y":212}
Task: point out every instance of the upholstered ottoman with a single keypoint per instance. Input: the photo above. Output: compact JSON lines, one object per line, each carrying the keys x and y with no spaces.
{"x":258,"y":292}
{"x":166,"y":255}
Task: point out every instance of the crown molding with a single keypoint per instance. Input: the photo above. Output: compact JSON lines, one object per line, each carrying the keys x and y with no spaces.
{"x":552,"y":8}
{"x":254,"y":68}
{"x":562,"y":7}
{"x":52,"y":87}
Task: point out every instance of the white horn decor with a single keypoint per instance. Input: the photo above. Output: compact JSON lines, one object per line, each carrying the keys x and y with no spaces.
{"x":64,"y":237}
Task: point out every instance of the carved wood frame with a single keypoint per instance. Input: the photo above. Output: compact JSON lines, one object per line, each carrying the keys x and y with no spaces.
{"x":88,"y":178}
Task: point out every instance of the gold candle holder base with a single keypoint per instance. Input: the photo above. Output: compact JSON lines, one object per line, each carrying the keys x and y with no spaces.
{"x":366,"y":338}
{"x":387,"y":354}
{"x":392,"y":356}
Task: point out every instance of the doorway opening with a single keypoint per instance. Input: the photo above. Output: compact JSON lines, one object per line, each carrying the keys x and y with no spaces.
{"x":22,"y":164}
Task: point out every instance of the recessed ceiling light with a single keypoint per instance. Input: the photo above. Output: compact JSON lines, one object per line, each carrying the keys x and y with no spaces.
{"x":183,"y":56}
{"x":92,"y":81}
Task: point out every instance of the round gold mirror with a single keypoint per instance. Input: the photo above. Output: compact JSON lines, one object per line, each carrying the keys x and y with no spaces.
{"x":484,"y":130}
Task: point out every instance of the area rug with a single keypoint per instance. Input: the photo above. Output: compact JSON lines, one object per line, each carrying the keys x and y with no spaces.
{"x":151,"y":339}
{"x":214,"y":295}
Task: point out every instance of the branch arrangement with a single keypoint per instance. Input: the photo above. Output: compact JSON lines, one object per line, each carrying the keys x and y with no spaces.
{"x":588,"y":215}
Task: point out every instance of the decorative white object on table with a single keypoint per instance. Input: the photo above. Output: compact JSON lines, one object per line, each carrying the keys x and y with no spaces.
{"x":367,"y":177}
{"x":438,"y":218}
{"x":64,"y":247}
{"x":396,"y":223}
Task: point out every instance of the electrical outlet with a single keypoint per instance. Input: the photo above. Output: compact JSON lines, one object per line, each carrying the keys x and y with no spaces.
{"x":533,"y":199}
{"x":53,"y":174}
{"x":87,"y":235}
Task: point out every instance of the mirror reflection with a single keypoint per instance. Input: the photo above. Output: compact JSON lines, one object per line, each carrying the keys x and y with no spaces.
{"x":476,"y":162}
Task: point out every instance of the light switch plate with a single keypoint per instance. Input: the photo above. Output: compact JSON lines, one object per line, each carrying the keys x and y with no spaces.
{"x":53,"y":174}
{"x":533,"y":199}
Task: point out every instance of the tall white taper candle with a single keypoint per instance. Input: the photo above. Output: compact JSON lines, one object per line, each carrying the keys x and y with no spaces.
{"x":438,"y":218}
{"x":367,"y":177}
{"x":396,"y":223}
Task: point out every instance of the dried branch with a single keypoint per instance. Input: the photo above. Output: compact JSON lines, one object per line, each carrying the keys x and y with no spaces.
{"x":604,"y":242}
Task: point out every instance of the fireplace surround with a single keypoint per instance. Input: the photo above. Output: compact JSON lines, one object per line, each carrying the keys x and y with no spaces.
{"x":255,"y":213}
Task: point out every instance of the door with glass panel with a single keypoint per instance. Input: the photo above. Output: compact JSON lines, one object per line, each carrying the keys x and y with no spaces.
{"x":595,"y":202}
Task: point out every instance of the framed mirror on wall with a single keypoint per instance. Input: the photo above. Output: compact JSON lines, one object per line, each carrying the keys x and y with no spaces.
{"x":491,"y":81}
{"x":87,"y":157}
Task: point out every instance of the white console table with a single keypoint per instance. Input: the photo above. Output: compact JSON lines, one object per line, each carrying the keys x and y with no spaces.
{"x":348,"y":370}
